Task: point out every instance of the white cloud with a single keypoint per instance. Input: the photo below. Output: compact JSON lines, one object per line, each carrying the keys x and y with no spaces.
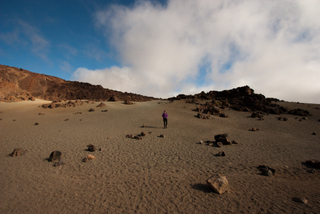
{"x":272,"y":46}
{"x":28,"y":36}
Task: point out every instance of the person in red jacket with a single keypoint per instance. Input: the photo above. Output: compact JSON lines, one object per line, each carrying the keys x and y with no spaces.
{"x":165,"y":119}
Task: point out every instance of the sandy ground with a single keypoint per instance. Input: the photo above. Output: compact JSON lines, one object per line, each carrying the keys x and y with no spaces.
{"x":154,"y":175}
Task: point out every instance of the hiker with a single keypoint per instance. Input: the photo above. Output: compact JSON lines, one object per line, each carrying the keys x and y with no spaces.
{"x":165,"y":119}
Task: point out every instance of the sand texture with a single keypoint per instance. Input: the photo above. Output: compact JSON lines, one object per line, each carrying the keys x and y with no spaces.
{"x":156,"y":174}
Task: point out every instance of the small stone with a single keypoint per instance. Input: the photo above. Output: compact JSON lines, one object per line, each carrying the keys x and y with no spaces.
{"x":90,"y":157}
{"x":162,"y":135}
{"x":220,"y":154}
{"x":143,"y":134}
{"x":234,"y":142}
{"x":91,"y":110}
{"x":265,"y":170}
{"x":200,"y":142}
{"x":17,"y":152}
{"x":66,"y":119}
{"x":313,"y":133}
{"x":55,"y":156}
{"x":300,"y":200}
{"x":36,"y":124}
{"x":218,"y":183}
{"x":91,"y":148}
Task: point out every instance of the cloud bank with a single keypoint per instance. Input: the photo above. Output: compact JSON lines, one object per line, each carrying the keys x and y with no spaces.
{"x":188,"y":46}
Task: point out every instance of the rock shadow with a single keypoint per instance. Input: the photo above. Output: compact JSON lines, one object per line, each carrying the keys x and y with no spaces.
{"x":151,"y":127}
{"x":202,"y":187}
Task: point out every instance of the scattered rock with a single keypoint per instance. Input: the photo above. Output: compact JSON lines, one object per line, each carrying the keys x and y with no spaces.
{"x":220,"y":154}
{"x":304,"y":118}
{"x":203,"y":116}
{"x":91,"y":110}
{"x":223,"y":115}
{"x":113,"y":99}
{"x":143,"y":134}
{"x":101,"y":105}
{"x":17,"y":152}
{"x":79,"y":112}
{"x":91,"y":148}
{"x":223,"y":138}
{"x":313,"y":163}
{"x":40,"y":114}
{"x":300,"y":200}
{"x":265,"y":170}
{"x":128,"y":102}
{"x":299,"y":112}
{"x":55,"y":156}
{"x":257,"y":115}
{"x":89,"y":157}
{"x":137,"y":137}
{"x":218,"y":183}
{"x":282,"y":118}
{"x":104,"y":110}
{"x":130,"y":136}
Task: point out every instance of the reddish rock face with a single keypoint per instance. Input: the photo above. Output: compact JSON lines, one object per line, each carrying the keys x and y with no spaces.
{"x":19,"y":84}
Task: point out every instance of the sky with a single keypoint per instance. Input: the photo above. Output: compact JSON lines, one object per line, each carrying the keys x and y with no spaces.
{"x":169,"y":47}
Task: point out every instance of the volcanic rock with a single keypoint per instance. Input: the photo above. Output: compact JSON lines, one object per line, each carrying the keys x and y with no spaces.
{"x":313,"y":163}
{"x":265,"y":170}
{"x":91,"y":148}
{"x":17,"y":152}
{"x":218,"y":183}
{"x":128,"y":102}
{"x":223,"y":138}
{"x":220,"y":154}
{"x":55,"y":156}
{"x":19,"y":84}
{"x":101,"y":105}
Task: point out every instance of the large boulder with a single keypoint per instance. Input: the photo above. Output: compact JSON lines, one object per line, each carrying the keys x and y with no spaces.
{"x":223,"y":138}
{"x":218,"y":183}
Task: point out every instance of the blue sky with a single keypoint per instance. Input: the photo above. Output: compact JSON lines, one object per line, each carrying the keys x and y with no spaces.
{"x":163,"y":48}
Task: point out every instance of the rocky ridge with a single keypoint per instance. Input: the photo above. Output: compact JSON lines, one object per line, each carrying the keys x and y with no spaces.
{"x":17,"y":84}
